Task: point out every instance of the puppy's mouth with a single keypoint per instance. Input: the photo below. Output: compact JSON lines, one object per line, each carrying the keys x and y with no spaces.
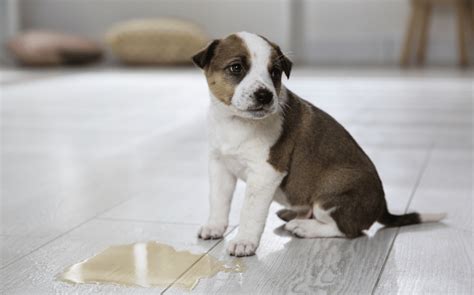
{"x":258,"y":112}
{"x":256,"y":109}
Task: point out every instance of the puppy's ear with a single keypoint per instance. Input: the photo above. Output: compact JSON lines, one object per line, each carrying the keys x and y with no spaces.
{"x":203,"y":57}
{"x":286,"y":64}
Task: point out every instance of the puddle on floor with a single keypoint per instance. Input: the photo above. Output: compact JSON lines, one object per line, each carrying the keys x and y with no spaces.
{"x":147,"y":265}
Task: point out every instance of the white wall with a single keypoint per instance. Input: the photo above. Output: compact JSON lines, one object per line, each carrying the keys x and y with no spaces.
{"x":321,"y":32}
{"x":369,"y":31}
{"x":8,"y":25}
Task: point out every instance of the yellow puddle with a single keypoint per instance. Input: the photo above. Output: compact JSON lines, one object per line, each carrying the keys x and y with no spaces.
{"x":148,"y":264}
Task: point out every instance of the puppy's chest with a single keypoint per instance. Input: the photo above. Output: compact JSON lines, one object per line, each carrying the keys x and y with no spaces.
{"x":242,"y":147}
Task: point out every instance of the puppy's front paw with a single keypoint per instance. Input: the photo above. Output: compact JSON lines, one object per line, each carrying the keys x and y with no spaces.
{"x":212,"y":231}
{"x":241,"y":248}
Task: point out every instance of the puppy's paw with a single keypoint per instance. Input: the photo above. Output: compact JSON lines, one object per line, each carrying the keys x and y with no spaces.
{"x":241,"y":248}
{"x":296,"y":227}
{"x":212,"y":231}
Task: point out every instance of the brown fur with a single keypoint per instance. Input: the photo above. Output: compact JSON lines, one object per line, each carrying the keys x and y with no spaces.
{"x":221,"y":84}
{"x":327,"y":167}
{"x":275,"y":63}
{"x":290,"y":214}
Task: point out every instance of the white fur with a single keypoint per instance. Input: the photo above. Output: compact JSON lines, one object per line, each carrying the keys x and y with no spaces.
{"x":239,"y":147}
{"x":322,"y":226}
{"x":432,"y":217}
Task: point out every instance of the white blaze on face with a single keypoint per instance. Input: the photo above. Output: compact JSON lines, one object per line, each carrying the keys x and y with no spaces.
{"x":257,"y":76}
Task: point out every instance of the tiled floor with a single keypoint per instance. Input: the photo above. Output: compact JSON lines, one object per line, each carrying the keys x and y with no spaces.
{"x":101,"y":157}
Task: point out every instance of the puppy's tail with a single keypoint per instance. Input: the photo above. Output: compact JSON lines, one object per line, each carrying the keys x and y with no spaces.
{"x":391,"y":220}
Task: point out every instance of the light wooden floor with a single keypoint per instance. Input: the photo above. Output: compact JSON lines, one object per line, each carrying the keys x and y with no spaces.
{"x":102,"y":157}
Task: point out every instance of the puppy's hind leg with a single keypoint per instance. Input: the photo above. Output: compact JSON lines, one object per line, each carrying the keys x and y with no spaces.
{"x":312,"y":228}
{"x":295,"y":213}
{"x":320,"y":226}
{"x":286,"y":214}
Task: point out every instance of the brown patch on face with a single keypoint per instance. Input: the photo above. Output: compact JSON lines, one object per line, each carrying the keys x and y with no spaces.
{"x":222,"y":82}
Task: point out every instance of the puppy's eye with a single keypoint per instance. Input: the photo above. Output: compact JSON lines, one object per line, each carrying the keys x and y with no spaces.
{"x":236,"y":69}
{"x":276,"y":73}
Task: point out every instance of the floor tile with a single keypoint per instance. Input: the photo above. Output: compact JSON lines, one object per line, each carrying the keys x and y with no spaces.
{"x":429,"y":259}
{"x":11,"y":75}
{"x":285,"y":264}
{"x":398,"y":166}
{"x":423,"y":117}
{"x":99,"y":114}
{"x":449,"y":168}
{"x":413,"y":136}
{"x":74,"y":193}
{"x":458,"y":208}
{"x":436,"y":258}
{"x":131,"y":145}
{"x":173,"y":201}
{"x":446,"y":186}
{"x":13,"y":248}
{"x":37,"y":273}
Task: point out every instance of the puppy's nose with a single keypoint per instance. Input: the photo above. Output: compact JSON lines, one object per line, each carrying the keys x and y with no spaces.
{"x":263,"y":96}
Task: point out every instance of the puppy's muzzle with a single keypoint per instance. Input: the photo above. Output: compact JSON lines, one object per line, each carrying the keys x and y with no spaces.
{"x":263,"y":96}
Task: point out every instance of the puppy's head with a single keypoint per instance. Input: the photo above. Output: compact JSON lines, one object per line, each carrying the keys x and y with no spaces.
{"x":244,"y":73}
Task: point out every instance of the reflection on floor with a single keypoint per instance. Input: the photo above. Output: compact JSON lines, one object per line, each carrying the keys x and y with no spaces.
{"x":94,"y":158}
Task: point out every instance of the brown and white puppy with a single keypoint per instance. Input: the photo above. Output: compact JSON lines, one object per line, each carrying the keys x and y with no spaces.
{"x":285,"y":149}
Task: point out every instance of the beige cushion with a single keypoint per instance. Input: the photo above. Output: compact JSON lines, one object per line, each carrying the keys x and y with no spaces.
{"x":156,"y":41}
{"x":43,"y":48}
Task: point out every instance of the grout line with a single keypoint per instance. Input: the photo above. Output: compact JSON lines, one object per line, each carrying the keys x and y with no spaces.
{"x":200,"y":258}
{"x":61,"y":235}
{"x":420,"y":176}
{"x":150,"y":221}
{"x":144,"y":221}
{"x":418,"y":180}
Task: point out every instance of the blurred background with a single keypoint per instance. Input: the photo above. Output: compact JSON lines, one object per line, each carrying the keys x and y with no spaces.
{"x":103,"y":137}
{"x":314,"y":32}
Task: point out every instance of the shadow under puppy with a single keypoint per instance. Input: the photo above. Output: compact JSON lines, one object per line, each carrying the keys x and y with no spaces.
{"x":285,"y":149}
